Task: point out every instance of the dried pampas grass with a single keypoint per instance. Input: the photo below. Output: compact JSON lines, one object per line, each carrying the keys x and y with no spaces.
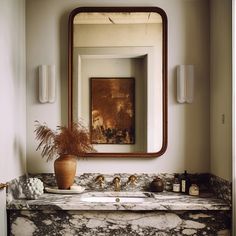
{"x":74,"y":140}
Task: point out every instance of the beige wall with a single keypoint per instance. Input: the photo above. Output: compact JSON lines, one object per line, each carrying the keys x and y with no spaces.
{"x":221,"y":87}
{"x":12,"y":96}
{"x":188,"y":29}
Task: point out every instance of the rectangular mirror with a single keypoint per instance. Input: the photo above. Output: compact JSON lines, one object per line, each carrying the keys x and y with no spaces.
{"x":118,"y":79}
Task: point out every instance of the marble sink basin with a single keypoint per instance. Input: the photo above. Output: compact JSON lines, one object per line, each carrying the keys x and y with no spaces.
{"x":112,"y":199}
{"x":167,"y":197}
{"x":115,"y":197}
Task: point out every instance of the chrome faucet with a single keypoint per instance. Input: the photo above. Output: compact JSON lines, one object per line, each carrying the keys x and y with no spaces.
{"x":117,"y":183}
{"x":100,"y":180}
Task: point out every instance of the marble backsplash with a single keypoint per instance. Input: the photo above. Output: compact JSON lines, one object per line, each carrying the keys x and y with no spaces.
{"x":207,"y":183}
{"x":221,"y":188}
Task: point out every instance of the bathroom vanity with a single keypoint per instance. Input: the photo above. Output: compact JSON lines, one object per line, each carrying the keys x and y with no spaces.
{"x":132,"y":211}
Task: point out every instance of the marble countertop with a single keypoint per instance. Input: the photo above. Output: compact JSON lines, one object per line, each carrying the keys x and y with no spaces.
{"x":150,"y":202}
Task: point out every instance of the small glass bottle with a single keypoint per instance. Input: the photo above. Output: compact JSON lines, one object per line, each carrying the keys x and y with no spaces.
{"x":185,"y":183}
{"x":176,"y":184}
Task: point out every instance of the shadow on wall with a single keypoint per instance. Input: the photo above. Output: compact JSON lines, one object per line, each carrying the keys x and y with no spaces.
{"x":63,"y":55}
{"x":19,"y":152}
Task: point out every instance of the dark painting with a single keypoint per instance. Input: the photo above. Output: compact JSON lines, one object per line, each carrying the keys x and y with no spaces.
{"x":112,"y":110}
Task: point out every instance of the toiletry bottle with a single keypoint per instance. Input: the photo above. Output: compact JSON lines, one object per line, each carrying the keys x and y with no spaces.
{"x":176,"y":184}
{"x":194,"y":190}
{"x":185,"y":183}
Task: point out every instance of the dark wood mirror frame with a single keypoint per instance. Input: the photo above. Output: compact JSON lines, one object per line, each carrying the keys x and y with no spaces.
{"x":164,"y":75}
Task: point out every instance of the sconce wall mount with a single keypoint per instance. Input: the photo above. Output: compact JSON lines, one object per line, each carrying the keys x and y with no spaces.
{"x":47,"y":83}
{"x":185,"y":83}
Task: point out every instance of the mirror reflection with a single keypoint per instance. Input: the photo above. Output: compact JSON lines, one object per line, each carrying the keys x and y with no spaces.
{"x":118,"y":82}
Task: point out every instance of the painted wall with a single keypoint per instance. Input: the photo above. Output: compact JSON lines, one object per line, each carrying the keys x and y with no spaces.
{"x":12,"y":96}
{"x":221,"y":87}
{"x":189,"y":125}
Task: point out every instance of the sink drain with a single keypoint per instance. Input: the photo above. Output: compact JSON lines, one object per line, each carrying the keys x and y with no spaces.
{"x":117,"y":199}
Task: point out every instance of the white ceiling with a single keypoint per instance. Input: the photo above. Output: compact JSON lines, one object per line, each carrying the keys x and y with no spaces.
{"x":118,"y":18}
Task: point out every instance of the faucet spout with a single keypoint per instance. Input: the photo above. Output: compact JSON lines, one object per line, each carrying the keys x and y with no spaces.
{"x":117,"y":183}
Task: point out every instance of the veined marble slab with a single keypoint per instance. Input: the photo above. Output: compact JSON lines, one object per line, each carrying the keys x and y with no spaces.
{"x":161,"y":201}
{"x":205,"y":181}
{"x":162,"y":214}
{"x":221,"y":188}
{"x":119,"y":223}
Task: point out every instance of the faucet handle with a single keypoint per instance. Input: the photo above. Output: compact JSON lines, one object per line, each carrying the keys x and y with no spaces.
{"x":116,"y":180}
{"x":132,"y":180}
{"x":100,"y":180}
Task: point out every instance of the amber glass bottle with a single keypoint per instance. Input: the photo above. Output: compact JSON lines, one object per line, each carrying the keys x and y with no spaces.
{"x":176,"y":184}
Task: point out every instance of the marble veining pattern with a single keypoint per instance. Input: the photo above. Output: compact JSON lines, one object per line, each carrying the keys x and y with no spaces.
{"x":221,"y":188}
{"x":206,"y":182}
{"x":162,"y":201}
{"x":143,"y":181}
{"x":88,"y":180}
{"x":15,"y":189}
{"x":162,"y":214}
{"x":110,"y":223}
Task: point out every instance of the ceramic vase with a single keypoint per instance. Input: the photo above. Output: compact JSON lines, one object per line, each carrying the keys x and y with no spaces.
{"x":65,"y":169}
{"x":157,"y":185}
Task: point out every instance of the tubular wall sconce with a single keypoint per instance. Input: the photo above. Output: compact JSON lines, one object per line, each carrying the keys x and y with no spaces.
{"x":47,"y":83}
{"x":185,"y":83}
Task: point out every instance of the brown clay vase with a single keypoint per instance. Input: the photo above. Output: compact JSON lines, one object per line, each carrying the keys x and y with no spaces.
{"x":65,"y":169}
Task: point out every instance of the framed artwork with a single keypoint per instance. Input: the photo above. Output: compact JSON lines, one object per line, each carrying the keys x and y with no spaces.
{"x":112,"y":110}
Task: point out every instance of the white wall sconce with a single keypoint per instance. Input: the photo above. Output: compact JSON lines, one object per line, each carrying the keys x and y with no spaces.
{"x":185,"y":83}
{"x":47,"y":83}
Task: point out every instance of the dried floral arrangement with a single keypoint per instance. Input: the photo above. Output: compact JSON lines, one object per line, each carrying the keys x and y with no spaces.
{"x":71,"y":141}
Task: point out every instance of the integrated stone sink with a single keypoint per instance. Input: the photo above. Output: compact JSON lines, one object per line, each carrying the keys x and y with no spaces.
{"x":167,"y":197}
{"x":115,"y":197}
{"x":112,"y":199}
